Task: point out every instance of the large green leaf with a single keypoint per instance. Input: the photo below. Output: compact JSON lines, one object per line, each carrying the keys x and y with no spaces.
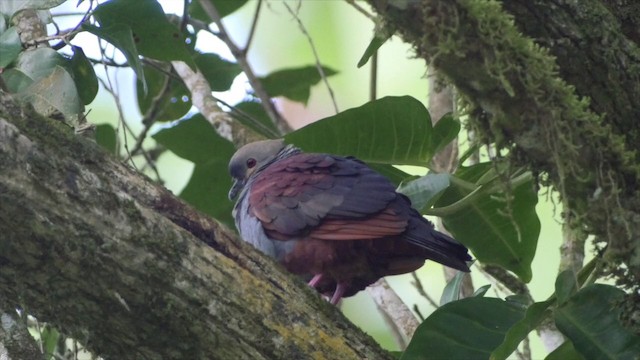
{"x":466,"y":329}
{"x":84,"y":76}
{"x":423,"y":191}
{"x":294,"y":84}
{"x":218,"y":72}
{"x":120,"y":36}
{"x":39,"y":63}
{"x":497,"y":230}
{"x":224,"y":8}
{"x":175,"y":103}
{"x":591,"y":320}
{"x":533,"y":317}
{"x":106,"y":137}
{"x":153,"y":34}
{"x":54,"y":93}
{"x":391,"y":130}
{"x":10,"y":46}
{"x":566,"y":351}
{"x":451,"y":292}
{"x":195,"y":139}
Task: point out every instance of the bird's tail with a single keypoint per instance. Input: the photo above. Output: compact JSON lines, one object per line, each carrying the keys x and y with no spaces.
{"x":439,"y":247}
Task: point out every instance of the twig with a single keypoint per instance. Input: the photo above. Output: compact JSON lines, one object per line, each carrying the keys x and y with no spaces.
{"x":150,"y":116}
{"x":315,"y":55}
{"x":252,"y":31}
{"x":361,"y":9}
{"x":418,"y":285}
{"x":259,"y":90}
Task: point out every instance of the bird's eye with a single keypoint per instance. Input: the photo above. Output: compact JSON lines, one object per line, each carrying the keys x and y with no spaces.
{"x":251,"y":162}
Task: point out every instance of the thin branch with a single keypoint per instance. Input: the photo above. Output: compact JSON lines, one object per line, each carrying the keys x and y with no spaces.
{"x":418,"y":285}
{"x":315,"y":55}
{"x":151,"y":115}
{"x":259,"y":90}
{"x":361,"y":10}
{"x":402,"y":322}
{"x":252,"y":31}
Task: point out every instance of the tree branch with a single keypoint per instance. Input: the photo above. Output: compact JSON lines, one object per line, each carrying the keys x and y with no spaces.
{"x":119,"y":263}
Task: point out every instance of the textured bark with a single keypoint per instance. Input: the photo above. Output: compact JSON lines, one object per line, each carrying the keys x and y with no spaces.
{"x":128,"y":269}
{"x":528,"y":65}
{"x":15,"y":341}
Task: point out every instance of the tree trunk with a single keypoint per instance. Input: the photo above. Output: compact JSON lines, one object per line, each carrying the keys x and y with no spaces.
{"x":529,"y":65}
{"x":129,"y":270}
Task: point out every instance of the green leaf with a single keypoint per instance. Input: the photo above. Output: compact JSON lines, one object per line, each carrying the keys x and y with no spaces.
{"x":566,"y":285}
{"x":445,"y":131}
{"x":395,"y":175}
{"x":379,"y":38}
{"x":195,"y":139}
{"x":481,"y":291}
{"x":106,"y":137}
{"x":294,"y":84}
{"x":56,"y":92}
{"x":497,"y":231}
{"x":590,"y":320}
{"x":49,"y":338}
{"x":218,"y":72}
{"x":423,"y":190}
{"x":84,"y":76}
{"x":566,"y":351}
{"x":120,"y":36}
{"x":15,"y":80}
{"x":466,"y":329}
{"x":10,"y":46}
{"x":451,"y":292}
{"x":175,"y":103}
{"x":391,"y":130}
{"x":39,"y":63}
{"x":224,"y":8}
{"x":532,"y":319}
{"x":153,"y":34}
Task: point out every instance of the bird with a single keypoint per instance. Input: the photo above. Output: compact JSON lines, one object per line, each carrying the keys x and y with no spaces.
{"x":330,"y":219}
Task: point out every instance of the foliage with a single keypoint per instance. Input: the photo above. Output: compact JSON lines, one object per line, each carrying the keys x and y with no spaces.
{"x":487,"y":206}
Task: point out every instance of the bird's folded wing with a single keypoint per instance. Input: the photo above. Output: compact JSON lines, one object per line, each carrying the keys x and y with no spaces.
{"x":325,"y":197}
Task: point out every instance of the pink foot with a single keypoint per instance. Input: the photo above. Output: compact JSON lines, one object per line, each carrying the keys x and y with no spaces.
{"x":316,"y":279}
{"x":337,"y":295}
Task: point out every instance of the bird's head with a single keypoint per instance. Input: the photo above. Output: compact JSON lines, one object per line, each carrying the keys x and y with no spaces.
{"x":251,"y":158}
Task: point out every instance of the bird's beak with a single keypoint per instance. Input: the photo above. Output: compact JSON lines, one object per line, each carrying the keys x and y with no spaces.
{"x":237,"y":186}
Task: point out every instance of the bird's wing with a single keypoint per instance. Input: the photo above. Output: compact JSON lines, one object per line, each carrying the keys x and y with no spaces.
{"x":325,"y":197}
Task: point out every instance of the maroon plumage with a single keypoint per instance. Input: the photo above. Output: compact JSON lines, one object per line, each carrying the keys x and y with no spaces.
{"x":335,"y":219}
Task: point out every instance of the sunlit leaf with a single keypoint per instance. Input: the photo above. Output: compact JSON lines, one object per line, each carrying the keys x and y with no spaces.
{"x":294,"y":84}
{"x":465,"y":329}
{"x":498,"y":230}
{"x":195,"y":139}
{"x":591,"y":320}
{"x":481,"y":291}
{"x":391,"y":130}
{"x":423,"y":190}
